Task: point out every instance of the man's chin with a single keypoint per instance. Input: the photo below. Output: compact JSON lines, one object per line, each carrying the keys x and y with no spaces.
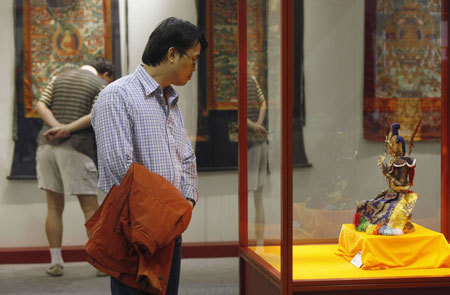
{"x":182,"y":83}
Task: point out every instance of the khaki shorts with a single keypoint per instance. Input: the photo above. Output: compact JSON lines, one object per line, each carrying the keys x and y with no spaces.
{"x":257,"y":165}
{"x":62,"y":169}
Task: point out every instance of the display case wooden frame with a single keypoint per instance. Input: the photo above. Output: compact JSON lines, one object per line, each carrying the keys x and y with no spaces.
{"x":257,"y":277}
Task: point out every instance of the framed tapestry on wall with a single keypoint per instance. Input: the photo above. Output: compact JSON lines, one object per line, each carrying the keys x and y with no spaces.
{"x":216,"y":141}
{"x":403,"y":79}
{"x":50,"y":37}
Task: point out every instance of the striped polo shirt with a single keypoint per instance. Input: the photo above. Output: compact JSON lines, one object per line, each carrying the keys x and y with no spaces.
{"x":255,"y":97}
{"x":71,"y":96}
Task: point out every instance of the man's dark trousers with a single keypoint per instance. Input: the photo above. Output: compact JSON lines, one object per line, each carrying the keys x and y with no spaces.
{"x":117,"y":288}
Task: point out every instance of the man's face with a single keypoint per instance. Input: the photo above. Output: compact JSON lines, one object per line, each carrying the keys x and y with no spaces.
{"x":186,"y":65}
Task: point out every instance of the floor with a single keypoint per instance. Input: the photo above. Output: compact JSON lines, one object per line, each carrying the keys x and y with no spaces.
{"x":212,"y":276}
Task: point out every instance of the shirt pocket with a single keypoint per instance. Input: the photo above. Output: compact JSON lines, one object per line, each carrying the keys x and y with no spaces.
{"x":90,"y":166}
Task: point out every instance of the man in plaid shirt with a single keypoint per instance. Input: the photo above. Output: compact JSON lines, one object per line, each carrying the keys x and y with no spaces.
{"x":137,"y":119}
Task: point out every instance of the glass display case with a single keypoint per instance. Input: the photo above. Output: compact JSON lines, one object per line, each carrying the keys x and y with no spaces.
{"x":320,"y":84}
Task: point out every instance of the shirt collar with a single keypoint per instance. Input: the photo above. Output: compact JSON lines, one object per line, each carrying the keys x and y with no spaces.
{"x":153,"y":89}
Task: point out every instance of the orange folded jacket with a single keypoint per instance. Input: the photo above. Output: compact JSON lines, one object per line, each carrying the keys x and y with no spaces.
{"x":132,"y":233}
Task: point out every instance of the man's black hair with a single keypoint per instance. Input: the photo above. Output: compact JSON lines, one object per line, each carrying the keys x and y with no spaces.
{"x":172,"y":32}
{"x":102,"y":65}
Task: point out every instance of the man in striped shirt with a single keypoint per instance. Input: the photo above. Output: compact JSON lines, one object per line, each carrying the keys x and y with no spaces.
{"x":65,"y":154}
{"x":257,"y":154}
{"x":137,"y":119}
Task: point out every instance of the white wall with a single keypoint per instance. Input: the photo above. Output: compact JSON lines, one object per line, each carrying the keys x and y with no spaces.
{"x":144,"y":16}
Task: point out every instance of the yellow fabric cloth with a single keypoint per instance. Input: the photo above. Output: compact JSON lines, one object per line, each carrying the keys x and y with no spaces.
{"x":421,"y":249}
{"x":320,"y":262}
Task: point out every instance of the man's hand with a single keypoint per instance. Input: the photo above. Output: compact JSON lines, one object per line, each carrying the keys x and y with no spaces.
{"x":259,"y":129}
{"x":57,"y":133}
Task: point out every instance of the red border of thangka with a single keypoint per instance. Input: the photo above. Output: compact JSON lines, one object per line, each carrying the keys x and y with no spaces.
{"x":211,"y":103}
{"x":27,"y":83}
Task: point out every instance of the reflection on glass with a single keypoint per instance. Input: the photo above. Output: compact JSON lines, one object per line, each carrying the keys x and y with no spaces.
{"x":263,"y":120}
{"x":257,"y":153}
{"x":343,"y":171}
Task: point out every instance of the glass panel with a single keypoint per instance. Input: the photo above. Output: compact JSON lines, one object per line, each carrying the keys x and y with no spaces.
{"x":365,"y":68}
{"x":214,"y":124}
{"x":264,"y":127}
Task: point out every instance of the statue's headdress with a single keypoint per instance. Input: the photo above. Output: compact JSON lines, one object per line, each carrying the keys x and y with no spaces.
{"x":395,"y":141}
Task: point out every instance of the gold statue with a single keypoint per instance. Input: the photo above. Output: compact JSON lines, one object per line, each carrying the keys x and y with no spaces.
{"x":389,"y":213}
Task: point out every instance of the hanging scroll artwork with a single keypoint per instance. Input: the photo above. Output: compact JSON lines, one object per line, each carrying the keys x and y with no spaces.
{"x":403,"y":68}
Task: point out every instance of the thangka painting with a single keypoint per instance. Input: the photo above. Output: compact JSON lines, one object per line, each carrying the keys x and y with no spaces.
{"x":403,"y":71}
{"x":52,"y":36}
{"x":58,"y":33}
{"x":223,"y":55}
{"x":216,"y":144}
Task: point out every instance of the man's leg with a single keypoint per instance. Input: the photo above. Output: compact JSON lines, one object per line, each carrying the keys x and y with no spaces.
{"x":88,"y":204}
{"x":54,"y":230}
{"x":258,"y":194}
{"x":259,"y":215}
{"x":117,"y":288}
{"x":53,"y":223}
{"x":174,"y":279}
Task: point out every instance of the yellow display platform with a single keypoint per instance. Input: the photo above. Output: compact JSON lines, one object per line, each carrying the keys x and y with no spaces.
{"x":319,"y":262}
{"x":420,"y":249}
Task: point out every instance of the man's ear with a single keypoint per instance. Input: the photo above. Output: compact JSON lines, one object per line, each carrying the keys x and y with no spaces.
{"x":171,"y":54}
{"x":107,"y":77}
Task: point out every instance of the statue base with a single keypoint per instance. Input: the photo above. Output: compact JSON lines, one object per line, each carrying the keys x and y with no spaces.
{"x":420,"y":249}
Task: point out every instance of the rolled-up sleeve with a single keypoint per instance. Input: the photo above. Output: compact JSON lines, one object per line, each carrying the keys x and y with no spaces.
{"x":47,"y":95}
{"x":113,"y":125}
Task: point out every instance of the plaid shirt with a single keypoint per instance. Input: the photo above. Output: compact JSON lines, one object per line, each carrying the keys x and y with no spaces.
{"x":132,"y":123}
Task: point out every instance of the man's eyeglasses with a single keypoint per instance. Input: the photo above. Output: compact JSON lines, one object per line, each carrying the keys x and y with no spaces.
{"x":194,"y":61}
